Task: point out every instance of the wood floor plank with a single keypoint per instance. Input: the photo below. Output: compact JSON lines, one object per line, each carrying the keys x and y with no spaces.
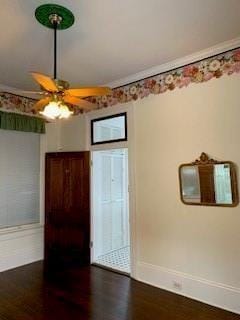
{"x":93,"y":293}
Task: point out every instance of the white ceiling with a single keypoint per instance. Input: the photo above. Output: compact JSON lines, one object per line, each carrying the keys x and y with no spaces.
{"x":110,"y":39}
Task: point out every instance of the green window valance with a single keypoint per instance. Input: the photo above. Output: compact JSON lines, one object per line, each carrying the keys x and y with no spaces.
{"x":20,"y":122}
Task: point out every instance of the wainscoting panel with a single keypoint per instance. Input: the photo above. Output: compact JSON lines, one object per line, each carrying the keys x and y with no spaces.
{"x":20,"y":247}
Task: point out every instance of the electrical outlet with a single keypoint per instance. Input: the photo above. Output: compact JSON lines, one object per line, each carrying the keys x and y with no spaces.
{"x":177,"y":285}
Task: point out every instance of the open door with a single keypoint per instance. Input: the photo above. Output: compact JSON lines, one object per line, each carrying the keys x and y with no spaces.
{"x":111,"y":246}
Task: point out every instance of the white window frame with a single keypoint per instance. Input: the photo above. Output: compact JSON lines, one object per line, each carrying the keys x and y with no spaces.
{"x":39,"y":225}
{"x":109,"y":117}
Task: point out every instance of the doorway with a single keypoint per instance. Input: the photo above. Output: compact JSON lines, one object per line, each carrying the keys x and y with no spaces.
{"x":110,"y":225}
{"x":67,"y":210}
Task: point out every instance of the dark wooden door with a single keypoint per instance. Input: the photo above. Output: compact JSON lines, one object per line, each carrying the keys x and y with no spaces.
{"x":67,"y":210}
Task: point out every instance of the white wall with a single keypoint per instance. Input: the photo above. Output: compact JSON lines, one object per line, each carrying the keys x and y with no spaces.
{"x":66,"y":135}
{"x":195,"y":246}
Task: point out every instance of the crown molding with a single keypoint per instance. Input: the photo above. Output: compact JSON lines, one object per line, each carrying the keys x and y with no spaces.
{"x":9,"y":89}
{"x":203,"y":54}
{"x":17,"y":91}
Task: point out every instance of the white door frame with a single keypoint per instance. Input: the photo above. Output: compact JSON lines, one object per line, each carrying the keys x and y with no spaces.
{"x":128,"y":107}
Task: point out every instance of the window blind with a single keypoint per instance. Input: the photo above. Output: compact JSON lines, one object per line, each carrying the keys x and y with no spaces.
{"x":19,"y":178}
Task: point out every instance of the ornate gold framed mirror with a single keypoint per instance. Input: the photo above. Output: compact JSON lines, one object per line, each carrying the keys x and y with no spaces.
{"x":209,"y":182}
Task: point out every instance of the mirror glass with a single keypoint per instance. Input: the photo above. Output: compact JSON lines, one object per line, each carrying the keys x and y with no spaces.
{"x":208,"y":183}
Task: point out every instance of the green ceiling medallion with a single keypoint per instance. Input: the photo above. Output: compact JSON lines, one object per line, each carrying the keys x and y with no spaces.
{"x":45,"y":12}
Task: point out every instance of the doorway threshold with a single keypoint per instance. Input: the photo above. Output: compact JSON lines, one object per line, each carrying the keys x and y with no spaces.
{"x":110,"y":269}
{"x":117,"y":260}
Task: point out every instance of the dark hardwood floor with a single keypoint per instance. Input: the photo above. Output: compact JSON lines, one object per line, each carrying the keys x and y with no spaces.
{"x":93,"y":293}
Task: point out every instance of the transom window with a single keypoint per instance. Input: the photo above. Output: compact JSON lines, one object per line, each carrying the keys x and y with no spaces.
{"x":109,"y":129}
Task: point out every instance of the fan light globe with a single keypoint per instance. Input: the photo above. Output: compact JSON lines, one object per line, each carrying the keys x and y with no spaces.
{"x":64,"y":112}
{"x":51,"y":111}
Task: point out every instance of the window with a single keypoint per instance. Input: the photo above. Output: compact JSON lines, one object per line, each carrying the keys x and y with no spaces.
{"x":19,"y":178}
{"x":109,"y":129}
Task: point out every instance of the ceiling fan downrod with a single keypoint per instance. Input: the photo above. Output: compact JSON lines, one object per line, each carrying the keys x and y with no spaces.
{"x":55,"y":17}
{"x":55,"y":20}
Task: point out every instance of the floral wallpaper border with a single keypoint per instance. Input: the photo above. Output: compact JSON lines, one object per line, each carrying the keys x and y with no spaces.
{"x":198,"y":72}
{"x":14,"y":103}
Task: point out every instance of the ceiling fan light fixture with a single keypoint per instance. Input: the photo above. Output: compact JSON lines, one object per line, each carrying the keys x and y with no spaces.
{"x":64,"y":112}
{"x":57,"y":95}
{"x":51,"y":110}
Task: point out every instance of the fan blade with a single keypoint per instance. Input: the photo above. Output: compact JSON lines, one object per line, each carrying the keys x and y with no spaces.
{"x":45,"y":81}
{"x":41,"y":103}
{"x":88,"y":92}
{"x":79,"y":102}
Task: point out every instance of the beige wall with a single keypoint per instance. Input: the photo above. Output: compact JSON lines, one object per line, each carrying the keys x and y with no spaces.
{"x":66,"y":135}
{"x":171,"y":129}
{"x":197,"y":247}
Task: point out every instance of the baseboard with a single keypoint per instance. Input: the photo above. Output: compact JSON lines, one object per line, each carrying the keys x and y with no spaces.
{"x":20,"y":248}
{"x":215,"y":294}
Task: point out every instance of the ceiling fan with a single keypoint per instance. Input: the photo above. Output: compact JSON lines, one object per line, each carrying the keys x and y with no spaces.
{"x":56,"y":96}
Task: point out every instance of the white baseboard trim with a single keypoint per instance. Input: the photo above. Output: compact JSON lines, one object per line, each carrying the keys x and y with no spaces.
{"x":215,"y":294}
{"x":20,"y":248}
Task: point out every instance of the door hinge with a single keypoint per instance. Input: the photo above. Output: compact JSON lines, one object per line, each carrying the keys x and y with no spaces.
{"x":91,"y":163}
{"x":91,"y":244}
